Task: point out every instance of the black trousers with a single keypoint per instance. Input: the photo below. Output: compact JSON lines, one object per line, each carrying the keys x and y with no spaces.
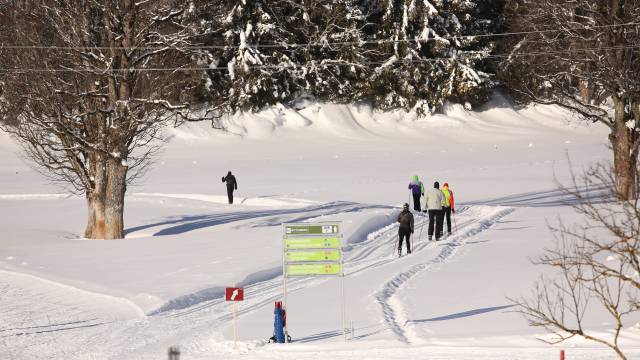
{"x":404,"y":233}
{"x":416,"y":202}
{"x":440,"y":223}
{"x":435,"y":221}
{"x":230,"y":195}
{"x":447,"y":216}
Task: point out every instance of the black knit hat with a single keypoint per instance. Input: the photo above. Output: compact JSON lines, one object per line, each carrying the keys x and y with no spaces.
{"x":436,"y":185}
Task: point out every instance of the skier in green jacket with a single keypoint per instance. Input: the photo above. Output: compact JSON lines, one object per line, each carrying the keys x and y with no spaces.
{"x":417,"y":190}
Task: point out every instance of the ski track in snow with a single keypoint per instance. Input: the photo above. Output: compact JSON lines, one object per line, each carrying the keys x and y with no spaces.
{"x":62,"y":313}
{"x":361,"y":256}
{"x":197,"y":314}
{"x":392,"y":310}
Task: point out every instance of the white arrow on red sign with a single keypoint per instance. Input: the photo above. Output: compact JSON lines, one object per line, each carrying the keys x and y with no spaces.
{"x":234,"y":294}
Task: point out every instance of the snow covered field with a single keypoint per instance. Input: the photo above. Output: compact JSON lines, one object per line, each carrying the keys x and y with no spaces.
{"x":66,"y":297}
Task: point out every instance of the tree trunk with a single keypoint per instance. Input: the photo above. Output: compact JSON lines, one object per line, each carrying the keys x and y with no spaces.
{"x":96,"y":219}
{"x":625,"y":154}
{"x":95,"y":199}
{"x":116,"y":189}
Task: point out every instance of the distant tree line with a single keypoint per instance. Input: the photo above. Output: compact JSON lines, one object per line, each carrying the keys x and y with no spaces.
{"x":390,"y":53}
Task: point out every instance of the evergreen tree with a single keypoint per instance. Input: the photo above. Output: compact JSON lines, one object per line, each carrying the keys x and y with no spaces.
{"x":277,"y":50}
{"x":251,"y":76}
{"x":427,"y":53}
{"x":393,"y":53}
{"x":334,"y":67}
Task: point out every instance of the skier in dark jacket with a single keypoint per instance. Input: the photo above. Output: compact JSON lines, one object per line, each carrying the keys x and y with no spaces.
{"x":405,"y":218}
{"x":232,"y":184}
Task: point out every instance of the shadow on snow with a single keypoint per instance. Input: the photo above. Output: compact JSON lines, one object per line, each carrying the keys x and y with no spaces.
{"x":184,"y":224}
{"x":462,"y":314}
{"x":550,"y":198}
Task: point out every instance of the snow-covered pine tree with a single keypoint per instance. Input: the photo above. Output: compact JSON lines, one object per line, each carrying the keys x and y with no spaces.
{"x":427,"y":53}
{"x":251,"y":76}
{"x":277,"y":50}
{"x":480,"y":17}
{"x":334,"y":67}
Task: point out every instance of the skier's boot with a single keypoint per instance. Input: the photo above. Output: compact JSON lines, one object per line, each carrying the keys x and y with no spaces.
{"x":399,"y":253}
{"x":430,"y":237}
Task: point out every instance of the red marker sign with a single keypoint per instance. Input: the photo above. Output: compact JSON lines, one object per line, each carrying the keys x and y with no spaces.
{"x":234,"y":294}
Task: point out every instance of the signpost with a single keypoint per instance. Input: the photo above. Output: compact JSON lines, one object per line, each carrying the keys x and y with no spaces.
{"x":234,"y":294}
{"x":313,"y":249}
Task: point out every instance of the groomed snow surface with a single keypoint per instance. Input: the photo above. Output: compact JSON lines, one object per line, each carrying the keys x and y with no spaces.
{"x":64,"y":297}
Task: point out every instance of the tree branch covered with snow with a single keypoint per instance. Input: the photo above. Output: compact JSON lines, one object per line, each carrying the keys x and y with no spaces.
{"x":94,"y":116}
{"x":582,"y":55}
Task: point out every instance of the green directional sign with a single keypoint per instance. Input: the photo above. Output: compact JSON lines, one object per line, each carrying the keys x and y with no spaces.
{"x":313,"y":269}
{"x":312,"y":229}
{"x":318,"y":255}
{"x":312,"y":243}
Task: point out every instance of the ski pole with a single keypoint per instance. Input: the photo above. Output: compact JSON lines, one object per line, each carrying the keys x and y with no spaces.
{"x":393,"y":247}
{"x":453,"y":215}
{"x":420,"y":234}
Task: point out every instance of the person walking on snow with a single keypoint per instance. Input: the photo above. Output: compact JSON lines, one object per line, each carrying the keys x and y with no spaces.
{"x":232,"y":185}
{"x":449,"y":206}
{"x":417,"y":190}
{"x":434,"y":204}
{"x":405,"y":218}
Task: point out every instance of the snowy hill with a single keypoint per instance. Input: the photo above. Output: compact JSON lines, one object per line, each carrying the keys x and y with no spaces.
{"x":67,"y":297}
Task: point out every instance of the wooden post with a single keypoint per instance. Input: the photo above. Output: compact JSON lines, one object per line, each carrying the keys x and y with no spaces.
{"x":235,"y":327}
{"x":342,"y":299}
{"x":352,"y":330}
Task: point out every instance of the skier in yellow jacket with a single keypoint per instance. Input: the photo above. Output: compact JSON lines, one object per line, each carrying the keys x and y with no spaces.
{"x":449,"y":206}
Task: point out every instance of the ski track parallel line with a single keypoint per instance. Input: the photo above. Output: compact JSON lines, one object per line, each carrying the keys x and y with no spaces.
{"x":368,"y":254}
{"x":360,"y":262}
{"x":391,"y":307}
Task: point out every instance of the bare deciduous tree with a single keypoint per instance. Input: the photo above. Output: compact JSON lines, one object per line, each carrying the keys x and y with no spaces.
{"x":86,"y":91}
{"x":597,"y":264}
{"x":583,"y":55}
